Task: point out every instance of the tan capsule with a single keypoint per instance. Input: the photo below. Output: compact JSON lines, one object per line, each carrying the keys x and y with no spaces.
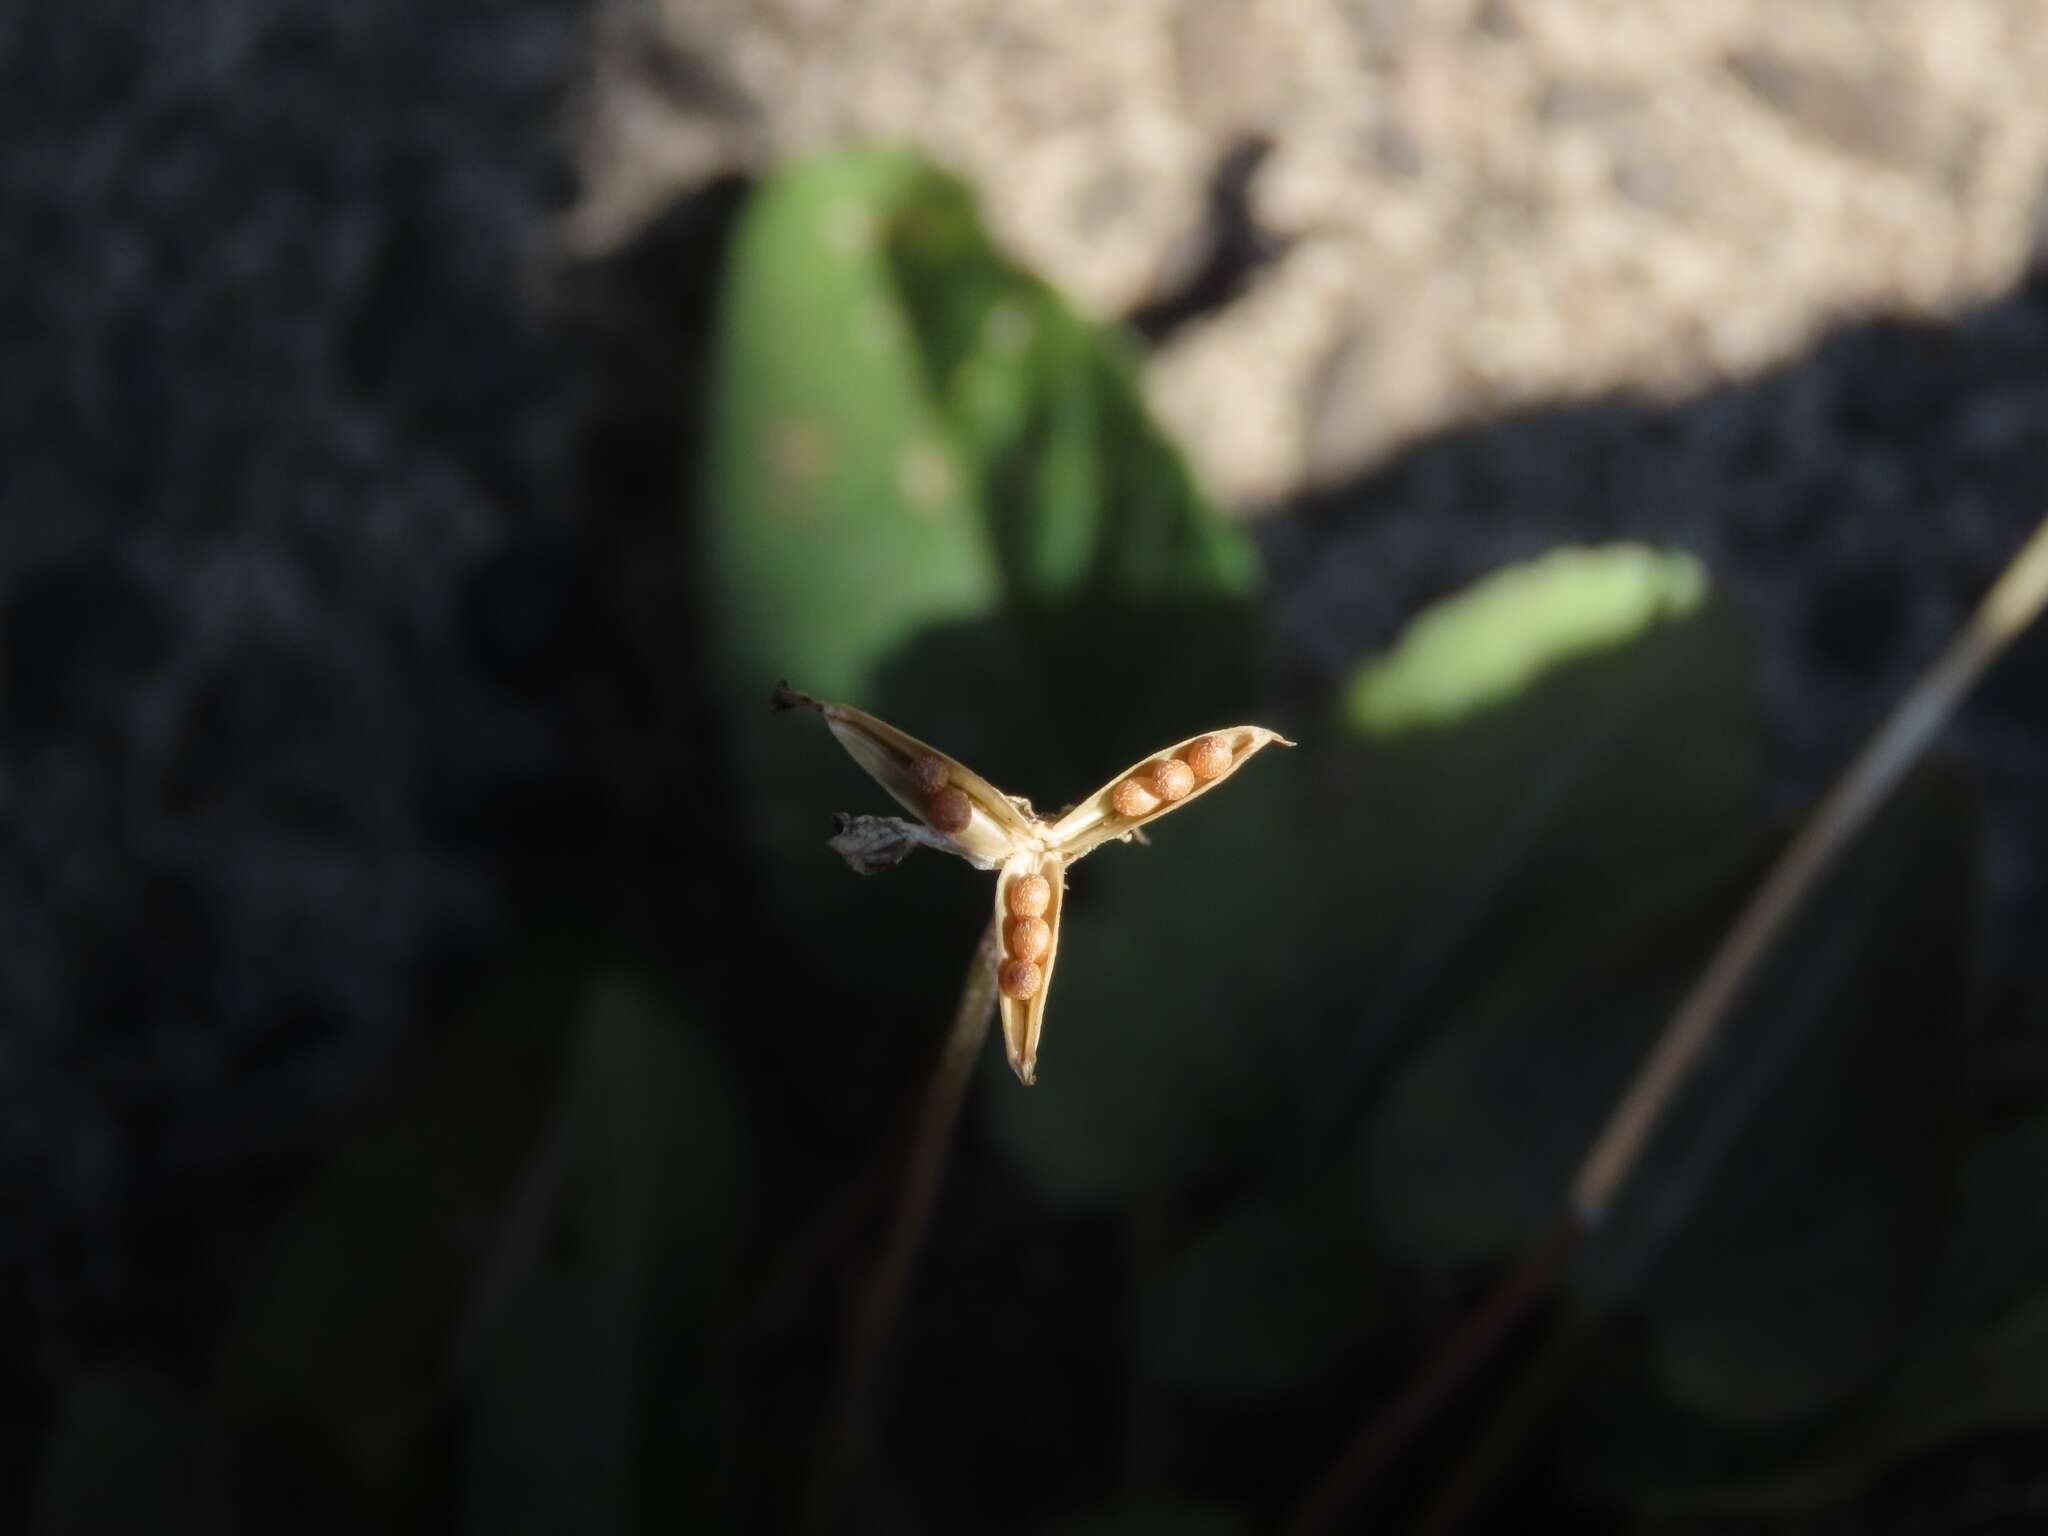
{"x":949,"y":810}
{"x":1207,"y":756}
{"x":1020,"y":979}
{"x":1030,"y":896}
{"x":1172,"y":779}
{"x":1028,"y":938}
{"x":929,"y":773}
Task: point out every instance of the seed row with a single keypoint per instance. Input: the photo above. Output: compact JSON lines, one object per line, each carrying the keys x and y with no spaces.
{"x":946,"y":806}
{"x":1027,"y":936}
{"x":1172,"y":778}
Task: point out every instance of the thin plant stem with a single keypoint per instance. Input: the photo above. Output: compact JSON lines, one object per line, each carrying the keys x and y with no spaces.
{"x":1556,"y":1364}
{"x":1844,"y":811}
{"x":1386,"y":1434}
{"x":880,"y":1304}
{"x":2012,"y":604}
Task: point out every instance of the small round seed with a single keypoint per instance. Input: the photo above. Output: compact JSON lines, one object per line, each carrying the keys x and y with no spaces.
{"x":1020,"y":979}
{"x":928,"y":773}
{"x":949,"y":810}
{"x":1028,"y":938}
{"x":1207,"y":756}
{"x":1173,"y":779}
{"x":1030,"y":896}
{"x":1131,"y":798}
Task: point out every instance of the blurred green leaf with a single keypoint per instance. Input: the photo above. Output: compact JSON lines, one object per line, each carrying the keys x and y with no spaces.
{"x":1996,"y":1256}
{"x":1492,"y":641}
{"x":1979,"y":1363}
{"x":933,"y":491}
{"x":1155,"y":1517}
{"x":1126,"y":594}
{"x":131,"y":1451}
{"x":549,"y":1444}
{"x":1272,"y":1294}
{"x":1541,"y":759}
{"x":1781,"y":1230}
{"x":658,"y":1171}
{"x":1790,"y":1213}
{"x":1994,"y":1377}
{"x":1241,"y":986}
{"x":575,"y":1118}
{"x":346,"y":1348}
{"x":586,"y":1382}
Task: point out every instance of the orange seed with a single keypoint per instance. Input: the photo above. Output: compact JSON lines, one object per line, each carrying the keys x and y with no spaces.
{"x":949,"y":810}
{"x":1207,"y":756}
{"x":1173,"y":779}
{"x":928,"y":773}
{"x":1029,"y":937}
{"x":1030,"y":896}
{"x":1020,"y":979}
{"x":1131,"y":798}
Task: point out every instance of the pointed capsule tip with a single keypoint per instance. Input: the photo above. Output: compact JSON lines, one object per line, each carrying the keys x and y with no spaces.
{"x":782,"y":697}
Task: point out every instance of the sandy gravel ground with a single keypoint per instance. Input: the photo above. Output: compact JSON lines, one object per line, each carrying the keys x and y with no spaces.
{"x":1486,"y":202}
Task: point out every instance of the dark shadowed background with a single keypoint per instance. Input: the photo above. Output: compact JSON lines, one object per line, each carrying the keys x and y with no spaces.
{"x":444,"y":1077}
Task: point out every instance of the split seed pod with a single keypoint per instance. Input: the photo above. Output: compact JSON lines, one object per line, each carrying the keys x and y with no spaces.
{"x":1166,"y":778}
{"x":992,"y":825}
{"x":1022,"y":1009}
{"x":992,"y":830}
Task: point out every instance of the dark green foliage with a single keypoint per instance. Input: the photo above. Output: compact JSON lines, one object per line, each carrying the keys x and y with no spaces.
{"x":1333,"y":1044}
{"x":543,"y":1240}
{"x":132,"y":1451}
{"x":348,"y":1344}
{"x":1355,"y":1025}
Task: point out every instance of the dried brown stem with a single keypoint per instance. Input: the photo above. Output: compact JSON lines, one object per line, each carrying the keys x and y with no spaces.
{"x":1843,"y":812}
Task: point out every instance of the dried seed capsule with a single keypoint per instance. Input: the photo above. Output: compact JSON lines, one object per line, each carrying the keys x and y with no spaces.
{"x":1020,"y":979}
{"x":1207,"y":756}
{"x":1133,"y":799}
{"x":1028,"y":938}
{"x":950,"y":810}
{"x":1030,"y":896}
{"x":928,"y":773}
{"x":1173,"y":779}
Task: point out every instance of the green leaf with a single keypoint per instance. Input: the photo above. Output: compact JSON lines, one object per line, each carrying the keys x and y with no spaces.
{"x":1579,"y":727}
{"x":343,"y":1358}
{"x":1155,"y":1517}
{"x":1127,"y":595}
{"x":1790,"y":1213}
{"x":657,"y":1142}
{"x":550,"y":1441}
{"x":1494,"y":640}
{"x":1240,"y":986}
{"x":1979,"y":1364}
{"x":1273,"y":1294}
{"x":1996,"y":1256}
{"x":932,"y":490}
{"x":131,"y":1451}
{"x":615,"y":1333}
{"x":1779,"y":1234}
